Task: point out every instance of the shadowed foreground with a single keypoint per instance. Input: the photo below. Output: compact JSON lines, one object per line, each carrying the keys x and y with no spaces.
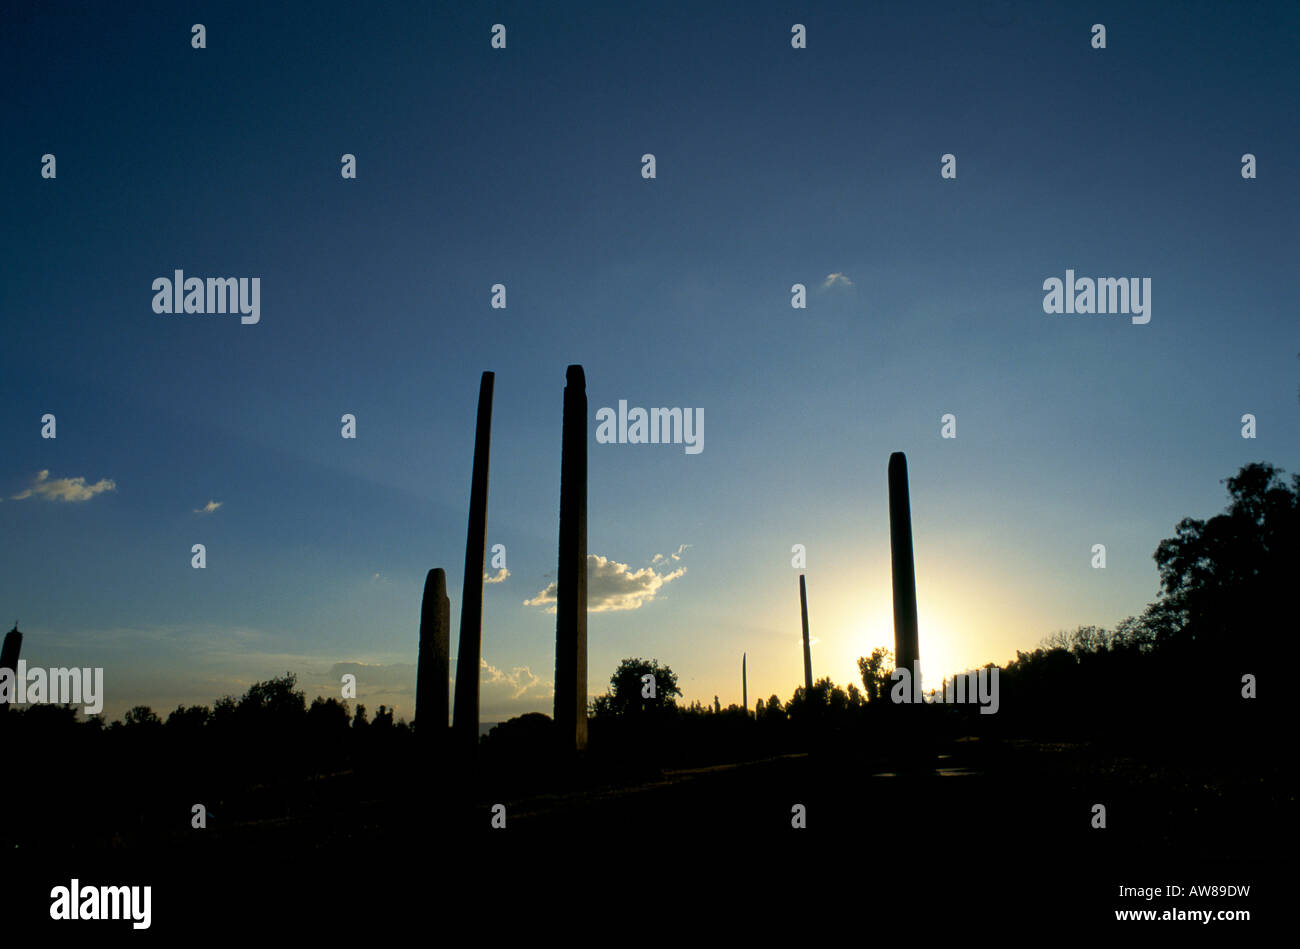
{"x":983,"y":828}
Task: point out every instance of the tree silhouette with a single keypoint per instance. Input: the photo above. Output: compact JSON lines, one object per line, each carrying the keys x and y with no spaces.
{"x":274,"y":703}
{"x":875,"y":670}
{"x":626,"y":684}
{"x":773,"y":710}
{"x":812,"y":708}
{"x":188,"y":721}
{"x":328,"y":716}
{"x":223,"y":712}
{"x":1225,"y":582}
{"x":142,"y":716}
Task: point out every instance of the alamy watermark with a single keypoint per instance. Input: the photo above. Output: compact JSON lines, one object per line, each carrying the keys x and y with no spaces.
{"x":976,"y":686}
{"x":102,"y":902}
{"x":182,"y":294}
{"x":638,"y":426}
{"x":1102,"y":296}
{"x":60,"y":686}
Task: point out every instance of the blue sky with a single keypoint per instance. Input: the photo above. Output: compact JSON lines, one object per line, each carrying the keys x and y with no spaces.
{"x":522,"y":166}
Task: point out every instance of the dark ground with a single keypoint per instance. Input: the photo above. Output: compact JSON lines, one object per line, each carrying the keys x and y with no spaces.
{"x":993,"y":836}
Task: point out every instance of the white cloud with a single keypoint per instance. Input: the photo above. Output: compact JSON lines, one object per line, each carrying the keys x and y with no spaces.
{"x":208,"y":508}
{"x":507,"y":694}
{"x":664,"y":558}
{"x":836,"y":279}
{"x":63,"y":489}
{"x":515,"y":683}
{"x":613,"y":586}
{"x":499,"y":578}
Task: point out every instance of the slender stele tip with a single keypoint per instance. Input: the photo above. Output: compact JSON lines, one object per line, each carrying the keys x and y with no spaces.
{"x":575,"y":376}
{"x":436,"y":581}
{"x":488,"y":374}
{"x":897,"y":458}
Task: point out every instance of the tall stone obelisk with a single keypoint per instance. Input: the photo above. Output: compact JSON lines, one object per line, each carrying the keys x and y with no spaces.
{"x":468,"y":655}
{"x":744,"y":684}
{"x":907,"y":650}
{"x":9,"y":658}
{"x":432,"y":685}
{"x":807,"y":655}
{"x":571,"y":577}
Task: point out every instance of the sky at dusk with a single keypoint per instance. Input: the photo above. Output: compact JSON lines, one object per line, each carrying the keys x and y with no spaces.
{"x":522,"y":166}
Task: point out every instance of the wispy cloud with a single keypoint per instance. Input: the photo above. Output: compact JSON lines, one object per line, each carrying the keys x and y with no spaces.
{"x":836,"y":280}
{"x":615,"y":586}
{"x":499,"y":578}
{"x":664,"y":558}
{"x":392,"y":678}
{"x":519,"y":683}
{"x":208,"y":508}
{"x":505,"y":694}
{"x":63,"y":489}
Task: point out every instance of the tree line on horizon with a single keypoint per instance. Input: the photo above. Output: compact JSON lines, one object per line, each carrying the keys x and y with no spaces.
{"x":1220,"y":599}
{"x":1221,"y":615}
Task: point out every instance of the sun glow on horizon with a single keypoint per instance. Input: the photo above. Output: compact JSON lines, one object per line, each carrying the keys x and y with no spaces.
{"x":948,"y":644}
